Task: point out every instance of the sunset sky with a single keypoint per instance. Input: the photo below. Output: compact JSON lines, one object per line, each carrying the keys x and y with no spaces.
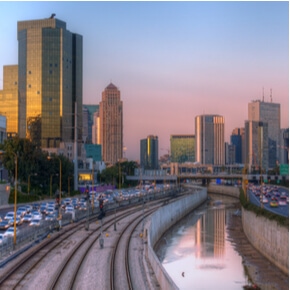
{"x":171,"y":61}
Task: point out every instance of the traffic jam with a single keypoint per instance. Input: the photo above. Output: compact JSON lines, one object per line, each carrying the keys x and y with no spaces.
{"x":271,"y":197}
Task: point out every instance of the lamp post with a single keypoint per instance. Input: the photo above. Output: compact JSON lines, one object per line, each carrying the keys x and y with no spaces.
{"x":15,"y":192}
{"x":28,"y":190}
{"x":59,"y":208}
{"x":50,"y":188}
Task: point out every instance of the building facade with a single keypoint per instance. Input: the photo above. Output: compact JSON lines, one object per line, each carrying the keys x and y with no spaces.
{"x":149,"y":153}
{"x":111,"y":124}
{"x":237,"y":139}
{"x":284,"y":147}
{"x":209,"y":139}
{"x":256,"y":135}
{"x":182,"y":148}
{"x":50,"y":61}
{"x":3,"y":130}
{"x":268,"y":112}
{"x":9,"y":99}
{"x":88,"y":122}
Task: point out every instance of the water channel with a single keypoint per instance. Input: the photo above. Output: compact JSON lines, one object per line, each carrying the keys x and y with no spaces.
{"x":198,"y":252}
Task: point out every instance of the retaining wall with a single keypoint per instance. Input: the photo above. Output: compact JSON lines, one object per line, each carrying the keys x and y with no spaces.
{"x":160,"y":222}
{"x":267,"y":236}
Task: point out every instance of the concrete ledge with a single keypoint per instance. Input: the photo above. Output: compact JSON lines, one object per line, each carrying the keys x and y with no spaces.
{"x":161,"y":221}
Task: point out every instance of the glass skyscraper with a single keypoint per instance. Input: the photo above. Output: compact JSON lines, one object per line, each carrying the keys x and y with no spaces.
{"x":49,"y":81}
{"x":209,"y":139}
{"x":149,"y":152}
{"x":182,"y":148}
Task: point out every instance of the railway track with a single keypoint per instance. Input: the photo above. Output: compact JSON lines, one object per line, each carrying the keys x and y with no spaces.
{"x":67,"y":268}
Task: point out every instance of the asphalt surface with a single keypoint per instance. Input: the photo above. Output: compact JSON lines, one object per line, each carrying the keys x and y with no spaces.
{"x":282,"y":210}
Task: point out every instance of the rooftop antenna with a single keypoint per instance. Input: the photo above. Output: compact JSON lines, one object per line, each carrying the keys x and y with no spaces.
{"x":271,"y":95}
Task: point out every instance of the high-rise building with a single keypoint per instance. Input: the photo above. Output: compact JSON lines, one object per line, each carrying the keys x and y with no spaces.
{"x":96,"y":132}
{"x":3,"y":130}
{"x":237,"y":139}
{"x":111,"y":124}
{"x":268,"y":112}
{"x":88,"y":121}
{"x":50,"y":60}
{"x":182,"y":148}
{"x":149,"y":153}
{"x":256,"y":135}
{"x":209,"y":139}
{"x":284,"y":147}
{"x":9,"y":99}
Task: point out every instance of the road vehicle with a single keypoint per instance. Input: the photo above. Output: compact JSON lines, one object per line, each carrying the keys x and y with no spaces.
{"x":10,"y":232}
{"x":9,"y":215}
{"x":4,"y":225}
{"x":28,"y":217}
{"x":3,"y":239}
{"x":51,"y":217}
{"x":19,"y":221}
{"x":35,"y":222}
{"x":36,"y":215}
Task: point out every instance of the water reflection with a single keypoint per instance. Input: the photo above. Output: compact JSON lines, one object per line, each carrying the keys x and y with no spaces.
{"x":197,"y":252}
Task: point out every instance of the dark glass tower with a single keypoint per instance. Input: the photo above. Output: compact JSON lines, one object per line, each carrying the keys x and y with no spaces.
{"x":49,"y":81}
{"x":149,"y":152}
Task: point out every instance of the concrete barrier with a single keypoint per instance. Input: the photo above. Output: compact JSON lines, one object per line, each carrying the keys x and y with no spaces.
{"x":268,"y":238}
{"x":160,"y":222}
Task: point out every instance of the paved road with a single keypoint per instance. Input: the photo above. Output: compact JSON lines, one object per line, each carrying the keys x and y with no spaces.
{"x":282,"y":210}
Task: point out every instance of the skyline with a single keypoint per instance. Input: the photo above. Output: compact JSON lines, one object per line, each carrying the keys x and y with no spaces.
{"x":171,"y":61}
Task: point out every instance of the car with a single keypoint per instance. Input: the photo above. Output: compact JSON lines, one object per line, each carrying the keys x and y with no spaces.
{"x":21,"y":211}
{"x":274,"y":203}
{"x":19,"y":221}
{"x":4,"y":225}
{"x":10,"y":232}
{"x":70,"y":210}
{"x":35,"y":222}
{"x":28,"y":217}
{"x":51,"y":217}
{"x":36,"y":215}
{"x":3,"y":239}
{"x":9,"y":215}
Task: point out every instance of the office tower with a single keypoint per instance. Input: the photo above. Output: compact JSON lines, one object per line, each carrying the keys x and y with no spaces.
{"x":89,"y":110}
{"x":182,"y":148}
{"x":209,"y":139}
{"x":49,"y":81}
{"x":270,"y":113}
{"x":85,"y":132}
{"x":9,"y":99}
{"x":237,"y":139}
{"x":256,"y":135}
{"x":96,"y":132}
{"x":284,"y":147}
{"x":3,"y":126}
{"x":149,"y":152}
{"x":111,"y":124}
{"x":230,"y":154}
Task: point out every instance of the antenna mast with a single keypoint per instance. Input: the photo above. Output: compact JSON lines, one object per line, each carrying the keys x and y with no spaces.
{"x":271,"y":95}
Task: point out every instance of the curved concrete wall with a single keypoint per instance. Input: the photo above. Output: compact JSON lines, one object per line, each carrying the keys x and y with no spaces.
{"x":160,"y":221}
{"x":270,"y":239}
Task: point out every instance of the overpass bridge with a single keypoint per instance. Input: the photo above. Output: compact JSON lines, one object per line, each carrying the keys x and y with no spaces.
{"x":206,"y":176}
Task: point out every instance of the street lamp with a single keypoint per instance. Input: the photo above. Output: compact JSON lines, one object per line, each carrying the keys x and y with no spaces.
{"x":59,"y":207}
{"x":15,"y":192}
{"x":50,"y":191}
{"x":34,"y":174}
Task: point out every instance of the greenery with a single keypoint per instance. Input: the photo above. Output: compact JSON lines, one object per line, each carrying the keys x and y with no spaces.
{"x":117,"y":173}
{"x":283,"y":221}
{"x":34,"y":169}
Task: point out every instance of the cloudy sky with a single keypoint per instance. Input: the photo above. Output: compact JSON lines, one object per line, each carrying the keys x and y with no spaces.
{"x":171,"y":61}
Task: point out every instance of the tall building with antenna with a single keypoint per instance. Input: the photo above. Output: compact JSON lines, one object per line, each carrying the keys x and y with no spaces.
{"x":268,"y":112}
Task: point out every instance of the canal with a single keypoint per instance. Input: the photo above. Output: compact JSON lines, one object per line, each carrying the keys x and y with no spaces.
{"x":198,"y":252}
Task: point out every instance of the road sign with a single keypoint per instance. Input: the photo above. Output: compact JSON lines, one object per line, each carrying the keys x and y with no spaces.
{"x":284,"y":169}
